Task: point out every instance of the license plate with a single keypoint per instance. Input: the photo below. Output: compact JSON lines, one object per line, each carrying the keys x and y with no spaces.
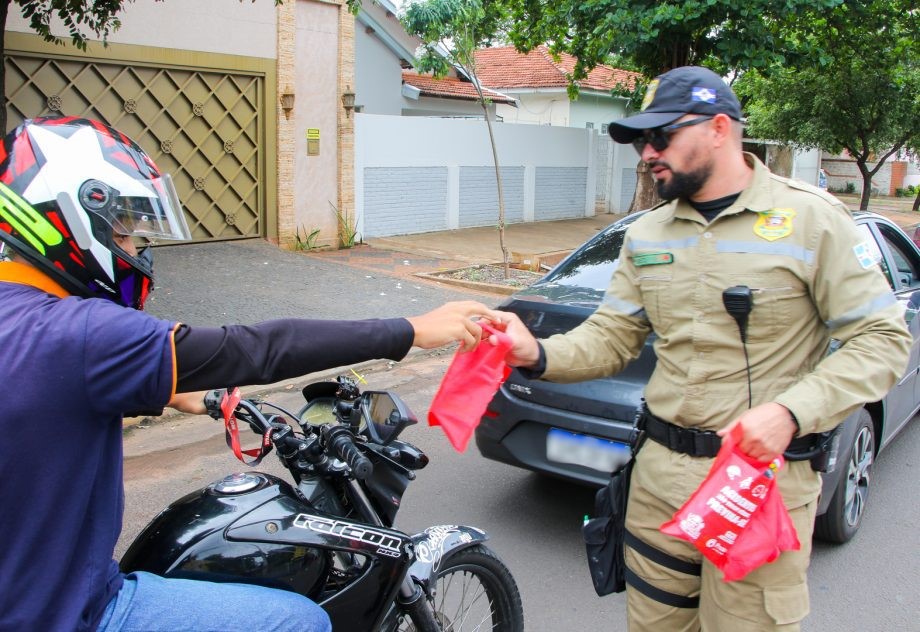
{"x":578,"y":449}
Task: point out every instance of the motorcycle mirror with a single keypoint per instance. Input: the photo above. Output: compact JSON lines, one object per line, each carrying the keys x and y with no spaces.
{"x":384,"y":416}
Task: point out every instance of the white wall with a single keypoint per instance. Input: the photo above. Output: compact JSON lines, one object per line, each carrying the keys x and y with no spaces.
{"x":378,"y":75}
{"x":805,"y":165}
{"x":212,"y":26}
{"x":410,"y":169}
{"x":536,"y":107}
{"x":597,"y":109}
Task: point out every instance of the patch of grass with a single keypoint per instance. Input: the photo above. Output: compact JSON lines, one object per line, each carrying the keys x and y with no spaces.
{"x":307,"y":241}
{"x":348,"y":234}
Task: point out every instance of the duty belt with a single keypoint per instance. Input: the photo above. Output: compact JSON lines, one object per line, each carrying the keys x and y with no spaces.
{"x":707,"y":443}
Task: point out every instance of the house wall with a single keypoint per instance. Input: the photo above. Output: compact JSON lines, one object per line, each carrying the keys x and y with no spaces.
{"x":841,"y":171}
{"x":805,"y":165}
{"x":539,"y":108}
{"x":596,"y":109}
{"x":378,"y":76}
{"x":318,"y":106}
{"x":406,"y":182}
{"x":432,"y":106}
{"x":213,"y":26}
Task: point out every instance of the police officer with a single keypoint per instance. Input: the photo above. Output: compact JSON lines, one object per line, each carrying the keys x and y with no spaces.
{"x":795,"y":256}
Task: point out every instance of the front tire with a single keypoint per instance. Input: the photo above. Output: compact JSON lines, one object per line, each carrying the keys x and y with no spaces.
{"x":475,"y":591}
{"x":848,"y":505}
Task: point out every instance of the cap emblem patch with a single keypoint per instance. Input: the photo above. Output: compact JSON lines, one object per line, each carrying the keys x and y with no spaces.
{"x":650,"y":94}
{"x":704,"y":95}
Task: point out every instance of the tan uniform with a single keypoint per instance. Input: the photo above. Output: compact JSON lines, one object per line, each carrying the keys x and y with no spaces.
{"x":812,"y":278}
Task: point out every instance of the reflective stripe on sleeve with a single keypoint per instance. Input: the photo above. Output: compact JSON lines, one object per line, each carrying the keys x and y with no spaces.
{"x":766,"y":248}
{"x":619,"y":305}
{"x":670,"y":244}
{"x":863,"y":310}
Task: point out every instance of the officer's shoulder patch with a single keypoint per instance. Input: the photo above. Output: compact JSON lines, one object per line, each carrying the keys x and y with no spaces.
{"x":866,"y":255}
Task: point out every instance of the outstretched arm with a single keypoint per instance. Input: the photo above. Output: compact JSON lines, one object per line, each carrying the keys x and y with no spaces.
{"x":277,"y":350}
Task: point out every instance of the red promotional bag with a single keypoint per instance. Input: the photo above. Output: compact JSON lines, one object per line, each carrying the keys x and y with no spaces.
{"x":736,"y":518}
{"x":468,"y":386}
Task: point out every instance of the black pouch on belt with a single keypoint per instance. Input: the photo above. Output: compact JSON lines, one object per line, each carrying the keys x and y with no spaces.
{"x":605,"y":533}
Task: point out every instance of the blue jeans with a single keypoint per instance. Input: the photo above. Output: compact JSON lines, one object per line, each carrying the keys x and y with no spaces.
{"x":149,"y":603}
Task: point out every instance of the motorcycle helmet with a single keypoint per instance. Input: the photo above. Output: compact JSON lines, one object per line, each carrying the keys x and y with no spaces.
{"x":72,"y":188}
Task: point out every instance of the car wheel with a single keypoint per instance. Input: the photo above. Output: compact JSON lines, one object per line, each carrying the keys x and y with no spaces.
{"x":844,"y":513}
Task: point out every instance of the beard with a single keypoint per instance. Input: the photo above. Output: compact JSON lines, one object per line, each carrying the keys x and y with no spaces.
{"x":683,"y":184}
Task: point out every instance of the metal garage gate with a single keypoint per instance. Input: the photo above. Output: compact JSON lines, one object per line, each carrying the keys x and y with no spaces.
{"x":203,"y":127}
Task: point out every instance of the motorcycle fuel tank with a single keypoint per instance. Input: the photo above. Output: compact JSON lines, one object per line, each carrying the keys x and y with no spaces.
{"x":255,"y":528}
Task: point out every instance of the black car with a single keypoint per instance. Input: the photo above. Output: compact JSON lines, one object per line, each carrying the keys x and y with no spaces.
{"x":579,"y":431}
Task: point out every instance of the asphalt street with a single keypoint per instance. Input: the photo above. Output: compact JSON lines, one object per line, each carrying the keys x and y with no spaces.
{"x":242,"y":282}
{"x":866,"y":585}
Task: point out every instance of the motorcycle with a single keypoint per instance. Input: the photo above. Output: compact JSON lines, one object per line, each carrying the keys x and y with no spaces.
{"x":330,"y":535}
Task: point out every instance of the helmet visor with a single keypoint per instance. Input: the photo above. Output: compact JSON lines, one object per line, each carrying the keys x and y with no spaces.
{"x":159,"y":216}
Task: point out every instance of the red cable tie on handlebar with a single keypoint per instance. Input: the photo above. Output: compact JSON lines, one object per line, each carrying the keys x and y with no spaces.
{"x":232,"y":431}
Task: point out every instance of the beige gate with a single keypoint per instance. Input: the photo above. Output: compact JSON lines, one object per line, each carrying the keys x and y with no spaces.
{"x":204,"y":127}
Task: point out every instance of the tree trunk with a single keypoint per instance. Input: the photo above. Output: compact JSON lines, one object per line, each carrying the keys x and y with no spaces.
{"x":646,"y":195}
{"x":916,"y":206}
{"x":501,"y":194}
{"x":867,"y":184}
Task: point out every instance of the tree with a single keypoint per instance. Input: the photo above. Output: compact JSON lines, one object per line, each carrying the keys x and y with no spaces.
{"x":451,"y":32}
{"x":724,"y":35}
{"x":79,"y":17}
{"x":860,"y":96}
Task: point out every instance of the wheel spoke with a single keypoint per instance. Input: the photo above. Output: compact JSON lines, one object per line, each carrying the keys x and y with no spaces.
{"x":858,"y":473}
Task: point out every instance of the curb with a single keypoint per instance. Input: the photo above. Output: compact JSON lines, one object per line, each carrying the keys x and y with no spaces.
{"x":505,"y":290}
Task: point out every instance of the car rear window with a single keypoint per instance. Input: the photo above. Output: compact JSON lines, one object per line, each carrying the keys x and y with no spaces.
{"x":592,"y":265}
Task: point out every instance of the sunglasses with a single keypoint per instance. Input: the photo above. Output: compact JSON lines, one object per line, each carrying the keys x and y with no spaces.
{"x":660,"y":137}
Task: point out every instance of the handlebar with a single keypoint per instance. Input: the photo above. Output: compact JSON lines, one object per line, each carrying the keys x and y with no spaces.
{"x":338,"y":438}
{"x":342,"y":443}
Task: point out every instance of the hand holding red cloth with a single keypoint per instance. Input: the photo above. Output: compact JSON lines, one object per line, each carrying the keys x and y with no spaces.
{"x":468,"y":386}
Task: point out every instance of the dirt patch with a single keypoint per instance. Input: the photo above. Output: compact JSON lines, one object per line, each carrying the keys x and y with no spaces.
{"x":486,"y":277}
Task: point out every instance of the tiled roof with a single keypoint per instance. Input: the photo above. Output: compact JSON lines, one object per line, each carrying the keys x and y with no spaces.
{"x":504,"y":67}
{"x":450,"y":87}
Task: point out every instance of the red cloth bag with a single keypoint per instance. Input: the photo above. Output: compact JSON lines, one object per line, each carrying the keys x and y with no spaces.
{"x":736,"y":518}
{"x":468,"y":386}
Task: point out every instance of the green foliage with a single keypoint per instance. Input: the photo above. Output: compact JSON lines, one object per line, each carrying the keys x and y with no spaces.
{"x":656,"y":36}
{"x":308,"y":241}
{"x":908,"y":191}
{"x":451,"y":31}
{"x":860,"y":95}
{"x":348,"y":234}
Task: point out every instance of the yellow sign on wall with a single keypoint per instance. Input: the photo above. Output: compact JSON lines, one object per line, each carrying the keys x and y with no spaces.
{"x":313,"y":141}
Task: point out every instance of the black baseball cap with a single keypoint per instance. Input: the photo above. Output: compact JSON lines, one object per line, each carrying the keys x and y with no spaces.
{"x":684,"y":90}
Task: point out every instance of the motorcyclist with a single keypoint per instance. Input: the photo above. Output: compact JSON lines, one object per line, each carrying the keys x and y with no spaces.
{"x":79,"y":355}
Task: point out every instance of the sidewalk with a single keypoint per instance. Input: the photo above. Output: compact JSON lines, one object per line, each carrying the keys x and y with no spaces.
{"x":407,"y":255}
